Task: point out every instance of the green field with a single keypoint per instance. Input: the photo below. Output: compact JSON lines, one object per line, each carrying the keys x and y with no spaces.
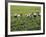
{"x":27,"y":21}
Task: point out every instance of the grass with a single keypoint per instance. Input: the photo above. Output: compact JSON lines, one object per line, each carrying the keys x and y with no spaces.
{"x":24,"y":22}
